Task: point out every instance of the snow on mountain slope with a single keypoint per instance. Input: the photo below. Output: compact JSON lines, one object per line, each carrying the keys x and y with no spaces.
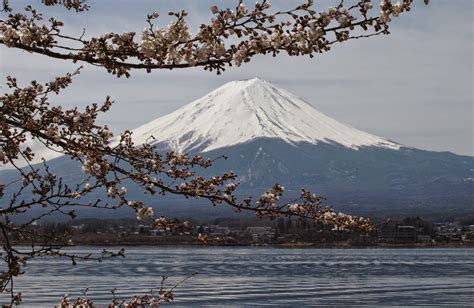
{"x":241,"y":111}
{"x":40,"y":150}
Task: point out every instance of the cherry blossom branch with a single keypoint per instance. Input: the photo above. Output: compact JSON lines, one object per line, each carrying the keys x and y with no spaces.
{"x":232,"y":37}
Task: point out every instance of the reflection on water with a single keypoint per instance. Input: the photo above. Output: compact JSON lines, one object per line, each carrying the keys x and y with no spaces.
{"x":264,"y":277}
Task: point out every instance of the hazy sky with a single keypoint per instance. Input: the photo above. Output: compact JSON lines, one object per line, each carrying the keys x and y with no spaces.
{"x":413,"y":86}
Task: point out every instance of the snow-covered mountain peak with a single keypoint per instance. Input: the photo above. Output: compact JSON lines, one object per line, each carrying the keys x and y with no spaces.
{"x":241,"y":111}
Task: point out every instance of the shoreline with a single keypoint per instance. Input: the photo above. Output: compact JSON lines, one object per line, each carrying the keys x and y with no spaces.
{"x":283,"y":245}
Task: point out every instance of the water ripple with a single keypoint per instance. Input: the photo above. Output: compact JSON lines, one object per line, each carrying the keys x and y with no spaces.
{"x":249,"y":277}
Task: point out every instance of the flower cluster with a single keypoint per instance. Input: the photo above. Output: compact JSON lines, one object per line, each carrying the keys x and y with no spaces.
{"x":267,"y":202}
{"x":154,"y":299}
{"x":308,"y":206}
{"x":387,"y":9}
{"x":343,"y":221}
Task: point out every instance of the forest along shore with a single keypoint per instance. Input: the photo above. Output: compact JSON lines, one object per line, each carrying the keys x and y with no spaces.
{"x":410,"y":232}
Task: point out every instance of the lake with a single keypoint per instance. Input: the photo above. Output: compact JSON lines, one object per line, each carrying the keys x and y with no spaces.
{"x":251,"y":277}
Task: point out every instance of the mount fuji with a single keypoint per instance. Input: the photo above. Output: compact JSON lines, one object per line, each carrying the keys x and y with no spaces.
{"x":271,"y":136}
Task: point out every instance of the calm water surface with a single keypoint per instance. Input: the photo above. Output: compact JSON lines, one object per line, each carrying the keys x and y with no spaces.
{"x":252,"y":277}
